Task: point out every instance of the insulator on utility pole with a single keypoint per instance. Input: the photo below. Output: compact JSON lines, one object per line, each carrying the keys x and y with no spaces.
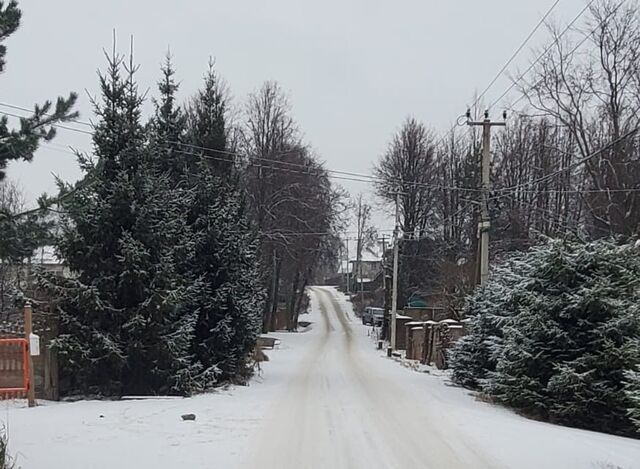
{"x":485,"y":220}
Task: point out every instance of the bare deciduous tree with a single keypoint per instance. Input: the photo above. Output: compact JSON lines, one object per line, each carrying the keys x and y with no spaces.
{"x":594,"y":93}
{"x":293,"y":203}
{"x":409,"y":166}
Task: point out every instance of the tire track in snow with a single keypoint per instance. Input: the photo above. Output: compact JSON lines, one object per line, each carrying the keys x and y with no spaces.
{"x":412,"y":433}
{"x":341,"y":411}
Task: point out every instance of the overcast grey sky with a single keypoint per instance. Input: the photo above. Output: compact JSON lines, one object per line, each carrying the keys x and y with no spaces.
{"x":354,"y":69}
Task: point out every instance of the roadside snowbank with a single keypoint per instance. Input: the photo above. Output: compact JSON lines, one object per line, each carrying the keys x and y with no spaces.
{"x":150,"y":433}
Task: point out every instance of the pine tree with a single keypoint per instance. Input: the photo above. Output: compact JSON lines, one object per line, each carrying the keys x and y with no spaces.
{"x":22,"y":143}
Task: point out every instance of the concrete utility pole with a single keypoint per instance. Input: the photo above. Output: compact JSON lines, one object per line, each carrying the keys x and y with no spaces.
{"x":394,"y":295}
{"x":385,"y":288}
{"x":485,"y":221}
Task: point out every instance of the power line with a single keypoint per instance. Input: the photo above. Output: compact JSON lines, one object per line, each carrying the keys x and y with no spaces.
{"x":333,"y":174}
{"x":544,"y":52}
{"x":574,"y":164}
{"x":306,"y":170}
{"x":20,"y":108}
{"x":517,"y":51}
{"x":60,"y":126}
{"x":569,"y":55}
{"x":502,"y":70}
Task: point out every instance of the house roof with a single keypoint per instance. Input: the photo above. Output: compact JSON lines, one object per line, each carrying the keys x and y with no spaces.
{"x":46,"y":255}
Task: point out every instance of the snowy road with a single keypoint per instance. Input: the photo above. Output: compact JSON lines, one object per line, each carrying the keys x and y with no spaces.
{"x":343,"y":412}
{"x":346,"y":406}
{"x":326,"y":399}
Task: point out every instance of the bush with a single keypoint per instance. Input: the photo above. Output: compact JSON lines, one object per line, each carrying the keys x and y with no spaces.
{"x":556,"y":334}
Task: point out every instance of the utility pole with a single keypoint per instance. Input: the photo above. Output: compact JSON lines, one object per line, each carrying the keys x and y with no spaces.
{"x":348,"y":265}
{"x":28,"y":329}
{"x":383,"y":241}
{"x":385,"y":288}
{"x":342,"y":277}
{"x":394,"y":294}
{"x":485,"y":220}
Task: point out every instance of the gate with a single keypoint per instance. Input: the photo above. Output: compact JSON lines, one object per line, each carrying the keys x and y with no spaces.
{"x":14,"y":368}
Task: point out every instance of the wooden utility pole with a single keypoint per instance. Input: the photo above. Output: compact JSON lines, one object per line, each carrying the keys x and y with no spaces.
{"x":28,"y":329}
{"x":394,"y":294}
{"x":485,"y":220}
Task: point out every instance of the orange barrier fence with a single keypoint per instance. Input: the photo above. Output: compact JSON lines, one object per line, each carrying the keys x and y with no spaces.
{"x":14,"y":368}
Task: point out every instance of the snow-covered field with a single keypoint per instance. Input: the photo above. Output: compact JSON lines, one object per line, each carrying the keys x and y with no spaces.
{"x":327,"y":399}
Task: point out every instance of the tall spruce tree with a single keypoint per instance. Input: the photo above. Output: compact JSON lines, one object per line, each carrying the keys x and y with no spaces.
{"x":22,"y":143}
{"x":226,"y":260}
{"x":125,"y":327}
{"x":222,"y":248}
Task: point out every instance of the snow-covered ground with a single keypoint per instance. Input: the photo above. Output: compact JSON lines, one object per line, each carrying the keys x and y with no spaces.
{"x":327,"y":399}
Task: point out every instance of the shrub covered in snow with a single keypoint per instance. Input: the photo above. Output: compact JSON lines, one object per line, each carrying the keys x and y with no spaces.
{"x":556,"y":334}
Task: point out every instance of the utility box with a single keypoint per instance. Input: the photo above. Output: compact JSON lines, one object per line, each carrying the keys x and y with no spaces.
{"x":34,"y":345}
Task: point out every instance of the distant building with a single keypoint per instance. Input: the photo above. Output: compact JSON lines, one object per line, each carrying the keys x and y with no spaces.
{"x":364,"y":273}
{"x":46,"y":259}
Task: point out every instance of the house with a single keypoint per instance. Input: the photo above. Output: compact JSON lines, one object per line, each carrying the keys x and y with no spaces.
{"x":366,"y":271}
{"x":45,"y":258}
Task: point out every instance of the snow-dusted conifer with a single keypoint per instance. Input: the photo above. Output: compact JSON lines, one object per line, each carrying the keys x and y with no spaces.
{"x":225,"y":258}
{"x":488,"y":310}
{"x":633,"y":394}
{"x":124,"y":325}
{"x":571,"y":337}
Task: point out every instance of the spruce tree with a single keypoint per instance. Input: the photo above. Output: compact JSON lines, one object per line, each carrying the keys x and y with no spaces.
{"x":125,"y":327}
{"x":489,"y":310}
{"x":167,"y":127}
{"x":208,"y":129}
{"x":225,"y":258}
{"x":567,"y":350}
{"x":633,"y":394}
{"x":568,"y":347}
{"x":220,"y":252}
{"x":22,"y":143}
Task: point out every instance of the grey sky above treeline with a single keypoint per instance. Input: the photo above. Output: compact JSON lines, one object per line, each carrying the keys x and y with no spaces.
{"x":354,"y":69}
